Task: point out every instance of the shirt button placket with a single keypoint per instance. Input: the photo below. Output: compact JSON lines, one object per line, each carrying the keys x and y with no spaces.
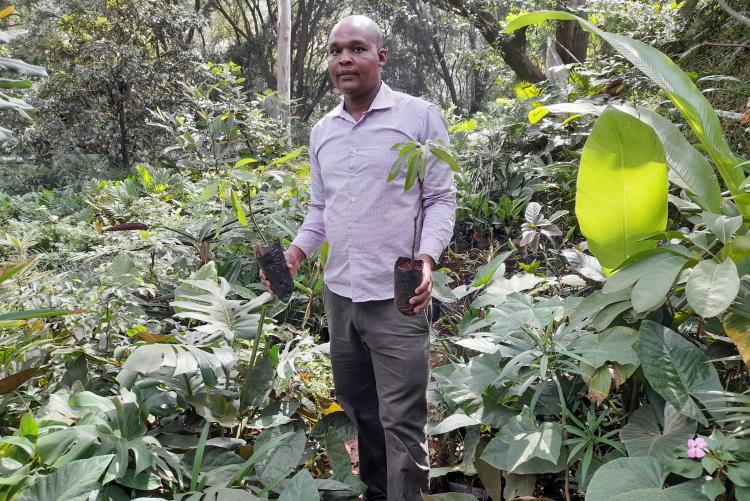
{"x":350,"y":216}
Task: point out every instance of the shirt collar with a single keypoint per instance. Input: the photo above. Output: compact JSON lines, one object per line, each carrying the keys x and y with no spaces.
{"x":383,"y":100}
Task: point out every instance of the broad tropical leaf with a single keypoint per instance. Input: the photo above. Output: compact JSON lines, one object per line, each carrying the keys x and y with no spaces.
{"x":523,"y":446}
{"x":689,"y":169}
{"x":341,"y":462}
{"x":737,"y":328}
{"x":74,"y":481}
{"x":453,"y":422}
{"x":174,"y":360}
{"x":622,"y":188}
{"x":724,"y":227}
{"x":652,"y":288}
{"x":665,"y":438}
{"x":21,"y":67}
{"x":677,"y":370}
{"x":208,"y":303}
{"x":626,"y":479}
{"x":613,"y":345}
{"x":689,"y":100}
{"x":712,"y":287}
{"x":301,"y":487}
{"x":279,"y":460}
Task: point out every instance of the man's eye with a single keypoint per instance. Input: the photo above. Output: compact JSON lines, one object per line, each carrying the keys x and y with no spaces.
{"x":359,"y":49}
{"x":335,"y":51}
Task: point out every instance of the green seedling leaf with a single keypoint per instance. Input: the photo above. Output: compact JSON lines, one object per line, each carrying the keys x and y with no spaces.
{"x":486,"y":272}
{"x":395,"y":169}
{"x":446,"y":158}
{"x":239,"y":211}
{"x":28,"y":428}
{"x":412,"y":170}
{"x":289,"y":156}
{"x":245,"y":161}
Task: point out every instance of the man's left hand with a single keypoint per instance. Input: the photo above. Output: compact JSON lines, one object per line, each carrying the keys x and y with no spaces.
{"x":423,"y":293}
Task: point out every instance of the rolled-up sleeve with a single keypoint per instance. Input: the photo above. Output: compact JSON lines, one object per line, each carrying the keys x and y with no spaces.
{"x":439,"y":202}
{"x":312,"y":234}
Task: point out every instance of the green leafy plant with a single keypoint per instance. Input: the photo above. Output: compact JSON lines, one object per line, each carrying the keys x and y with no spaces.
{"x":415,"y":156}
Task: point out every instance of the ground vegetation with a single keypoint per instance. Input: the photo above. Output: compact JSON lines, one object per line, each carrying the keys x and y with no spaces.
{"x":592,"y":323}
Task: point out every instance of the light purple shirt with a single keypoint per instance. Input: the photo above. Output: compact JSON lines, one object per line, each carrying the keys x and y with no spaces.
{"x":367,"y":221}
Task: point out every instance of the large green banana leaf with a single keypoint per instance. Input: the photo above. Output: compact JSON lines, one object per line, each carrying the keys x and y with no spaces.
{"x":689,"y":168}
{"x":692,"y":104}
{"x":622,"y":188}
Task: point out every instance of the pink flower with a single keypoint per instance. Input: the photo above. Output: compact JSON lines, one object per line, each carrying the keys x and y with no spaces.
{"x":696,"y":448}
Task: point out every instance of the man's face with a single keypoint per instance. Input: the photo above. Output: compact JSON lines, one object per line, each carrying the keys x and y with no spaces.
{"x":354,"y":60}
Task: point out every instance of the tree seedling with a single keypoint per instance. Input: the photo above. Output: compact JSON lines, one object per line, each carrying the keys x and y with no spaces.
{"x":407,"y":272}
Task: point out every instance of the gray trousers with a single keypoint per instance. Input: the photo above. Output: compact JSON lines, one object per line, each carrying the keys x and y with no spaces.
{"x":380,"y":361}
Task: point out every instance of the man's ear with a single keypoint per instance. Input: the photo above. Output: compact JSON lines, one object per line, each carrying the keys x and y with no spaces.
{"x":382,"y":57}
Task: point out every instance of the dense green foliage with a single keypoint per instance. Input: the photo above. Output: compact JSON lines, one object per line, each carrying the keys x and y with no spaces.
{"x":594,"y":337}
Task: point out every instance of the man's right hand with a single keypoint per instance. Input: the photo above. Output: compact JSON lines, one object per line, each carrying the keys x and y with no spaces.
{"x":294,"y":257}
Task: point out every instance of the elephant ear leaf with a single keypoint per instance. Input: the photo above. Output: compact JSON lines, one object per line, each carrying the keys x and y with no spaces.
{"x":74,"y":481}
{"x":678,"y":370}
{"x":625,"y":479}
{"x":622,"y":188}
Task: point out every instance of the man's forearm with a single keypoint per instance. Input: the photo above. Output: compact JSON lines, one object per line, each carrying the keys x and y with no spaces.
{"x":297,"y":253}
{"x":427,"y":259}
{"x":311,"y":234}
{"x":437,"y":225}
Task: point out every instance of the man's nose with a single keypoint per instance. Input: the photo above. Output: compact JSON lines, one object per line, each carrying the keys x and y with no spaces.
{"x":346,"y":57}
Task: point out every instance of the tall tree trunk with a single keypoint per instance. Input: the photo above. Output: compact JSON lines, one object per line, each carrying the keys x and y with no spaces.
{"x":283,"y":70}
{"x":512,"y":48}
{"x":427,"y":28}
{"x":572,"y":40}
{"x":478,"y":82}
{"x":119,"y":93}
{"x":122,"y":119}
{"x":446,"y":72}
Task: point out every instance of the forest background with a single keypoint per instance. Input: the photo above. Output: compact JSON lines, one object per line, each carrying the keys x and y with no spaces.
{"x":578,"y":351}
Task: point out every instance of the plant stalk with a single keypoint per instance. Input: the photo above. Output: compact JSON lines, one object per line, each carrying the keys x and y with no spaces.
{"x":252,"y":215}
{"x":256,"y":342}
{"x":416,"y":218}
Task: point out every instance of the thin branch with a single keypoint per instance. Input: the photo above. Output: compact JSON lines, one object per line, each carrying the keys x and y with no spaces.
{"x":739,"y":17}
{"x":736,"y":45}
{"x":230,"y":19}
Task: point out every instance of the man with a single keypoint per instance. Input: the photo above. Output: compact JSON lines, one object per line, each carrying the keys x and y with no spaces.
{"x":379,"y":356}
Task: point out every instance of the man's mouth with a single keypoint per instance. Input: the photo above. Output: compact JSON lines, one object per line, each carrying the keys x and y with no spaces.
{"x":342,"y":74}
